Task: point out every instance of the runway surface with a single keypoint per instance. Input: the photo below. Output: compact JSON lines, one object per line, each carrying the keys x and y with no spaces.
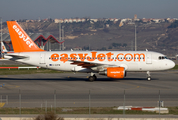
{"x":72,"y":90}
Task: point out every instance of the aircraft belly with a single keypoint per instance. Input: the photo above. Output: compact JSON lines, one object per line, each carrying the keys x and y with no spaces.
{"x":133,"y":67}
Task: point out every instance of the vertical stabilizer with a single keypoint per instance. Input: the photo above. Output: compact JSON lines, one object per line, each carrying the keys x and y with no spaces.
{"x":3,"y":48}
{"x":20,"y":40}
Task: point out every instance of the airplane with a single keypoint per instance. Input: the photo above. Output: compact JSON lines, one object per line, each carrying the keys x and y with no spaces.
{"x":113,"y":64}
{"x":4,"y":50}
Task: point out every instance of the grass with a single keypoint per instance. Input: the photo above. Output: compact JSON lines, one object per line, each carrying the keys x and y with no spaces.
{"x":82,"y":110}
{"x":175,"y":67}
{"x":24,"y":71}
{"x":173,"y":110}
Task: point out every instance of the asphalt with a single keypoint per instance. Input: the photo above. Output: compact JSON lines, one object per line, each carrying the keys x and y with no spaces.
{"x":74,"y":90}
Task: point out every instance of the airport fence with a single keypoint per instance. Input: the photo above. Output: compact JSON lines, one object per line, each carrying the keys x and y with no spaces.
{"x":83,"y":102}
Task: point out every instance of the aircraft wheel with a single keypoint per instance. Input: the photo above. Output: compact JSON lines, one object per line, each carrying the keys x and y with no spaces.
{"x":95,"y":77}
{"x":91,"y":78}
{"x":149,"y":78}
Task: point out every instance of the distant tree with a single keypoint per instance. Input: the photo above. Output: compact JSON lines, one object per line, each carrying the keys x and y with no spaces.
{"x":116,"y":45}
{"x":98,"y":24}
{"x":124,"y":45}
{"x":110,"y":47}
{"x":119,"y":44}
{"x":86,"y":47}
{"x":174,"y":24}
{"x":103,"y":48}
{"x":108,"y":22}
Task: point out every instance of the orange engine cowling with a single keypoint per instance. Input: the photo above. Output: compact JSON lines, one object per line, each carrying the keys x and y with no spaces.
{"x":114,"y":72}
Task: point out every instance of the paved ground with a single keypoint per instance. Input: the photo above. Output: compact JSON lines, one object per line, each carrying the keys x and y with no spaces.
{"x":72,"y":90}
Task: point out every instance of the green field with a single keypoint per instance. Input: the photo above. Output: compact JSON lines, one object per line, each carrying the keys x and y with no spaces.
{"x":175,"y":68}
{"x":24,"y":71}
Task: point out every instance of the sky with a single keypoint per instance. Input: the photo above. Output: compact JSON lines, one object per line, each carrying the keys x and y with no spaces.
{"x":35,"y":9}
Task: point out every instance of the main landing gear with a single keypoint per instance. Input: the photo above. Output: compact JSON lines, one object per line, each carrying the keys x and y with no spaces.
{"x":92,"y":77}
{"x":148,"y":76}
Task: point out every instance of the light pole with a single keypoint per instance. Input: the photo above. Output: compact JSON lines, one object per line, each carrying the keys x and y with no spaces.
{"x":59,"y":34}
{"x":63,"y":37}
{"x":1,"y":37}
{"x":135,"y":37}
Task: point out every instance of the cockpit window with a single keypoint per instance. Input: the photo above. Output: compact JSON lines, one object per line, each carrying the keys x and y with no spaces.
{"x":162,"y":57}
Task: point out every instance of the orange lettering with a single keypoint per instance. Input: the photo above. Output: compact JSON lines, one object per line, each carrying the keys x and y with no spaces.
{"x":82,"y":57}
{"x":93,"y":56}
{"x":73,"y":56}
{"x":100,"y":56}
{"x":130,"y":56}
{"x":64,"y":57}
{"x":109,"y":56}
{"x":55,"y":57}
{"x":118,"y":57}
{"x":137,"y":54}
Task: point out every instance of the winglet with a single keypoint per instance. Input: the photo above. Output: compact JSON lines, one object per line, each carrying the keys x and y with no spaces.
{"x":20,"y":40}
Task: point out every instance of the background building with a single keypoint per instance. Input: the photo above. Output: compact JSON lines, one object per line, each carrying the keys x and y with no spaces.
{"x":45,"y":41}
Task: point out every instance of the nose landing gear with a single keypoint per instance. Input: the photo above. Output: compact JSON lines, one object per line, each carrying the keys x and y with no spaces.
{"x":148,"y":76}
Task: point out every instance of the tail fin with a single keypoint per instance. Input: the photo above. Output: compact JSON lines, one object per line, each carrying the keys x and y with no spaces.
{"x":3,"y":48}
{"x":20,"y":40}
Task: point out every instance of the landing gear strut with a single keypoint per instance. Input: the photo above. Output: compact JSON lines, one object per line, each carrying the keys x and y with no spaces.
{"x":148,"y":76}
{"x":92,"y":77}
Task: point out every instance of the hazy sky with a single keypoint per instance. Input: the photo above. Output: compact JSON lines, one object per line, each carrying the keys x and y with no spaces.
{"x":35,"y":9}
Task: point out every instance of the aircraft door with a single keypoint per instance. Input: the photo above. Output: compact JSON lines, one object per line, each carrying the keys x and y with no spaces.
{"x":42,"y":58}
{"x":148,"y":58}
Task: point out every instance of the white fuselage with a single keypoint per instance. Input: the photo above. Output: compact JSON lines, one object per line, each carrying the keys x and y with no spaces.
{"x":130,"y":60}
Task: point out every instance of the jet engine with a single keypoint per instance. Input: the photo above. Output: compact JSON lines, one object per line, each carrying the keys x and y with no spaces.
{"x":114,"y":72}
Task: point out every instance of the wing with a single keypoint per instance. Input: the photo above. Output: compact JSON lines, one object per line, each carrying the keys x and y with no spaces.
{"x":96,"y":66}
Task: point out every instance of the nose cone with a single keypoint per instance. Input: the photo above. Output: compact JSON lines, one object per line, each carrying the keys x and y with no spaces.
{"x":171,"y":64}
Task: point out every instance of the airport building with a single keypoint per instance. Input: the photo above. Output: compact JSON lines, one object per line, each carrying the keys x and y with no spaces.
{"x":45,"y":41}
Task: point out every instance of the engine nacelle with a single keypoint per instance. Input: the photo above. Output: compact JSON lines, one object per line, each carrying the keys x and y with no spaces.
{"x":114,"y":72}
